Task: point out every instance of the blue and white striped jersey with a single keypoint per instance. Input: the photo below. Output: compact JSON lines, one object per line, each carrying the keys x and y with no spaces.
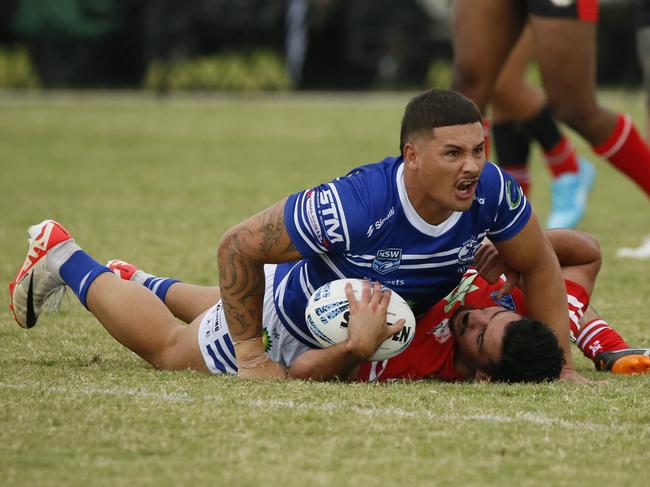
{"x":363,"y":225}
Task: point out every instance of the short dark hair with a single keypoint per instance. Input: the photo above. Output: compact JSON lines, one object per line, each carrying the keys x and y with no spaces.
{"x":436,"y":108}
{"x":530,"y":353}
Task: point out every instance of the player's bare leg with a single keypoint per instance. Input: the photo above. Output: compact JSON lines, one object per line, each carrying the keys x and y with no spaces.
{"x":137,"y":319}
{"x":185,"y":301}
{"x":483,"y":35}
{"x":513,"y":97}
{"x":566,"y":51}
{"x":133,"y":315}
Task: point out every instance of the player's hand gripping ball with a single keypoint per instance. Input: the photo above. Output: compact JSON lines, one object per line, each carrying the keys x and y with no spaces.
{"x":328,"y":312}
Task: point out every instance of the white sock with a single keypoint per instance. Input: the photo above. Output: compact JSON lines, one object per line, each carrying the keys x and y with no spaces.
{"x":59,"y":255}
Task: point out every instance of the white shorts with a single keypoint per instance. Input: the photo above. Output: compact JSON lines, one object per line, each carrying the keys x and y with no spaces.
{"x":216,"y":345}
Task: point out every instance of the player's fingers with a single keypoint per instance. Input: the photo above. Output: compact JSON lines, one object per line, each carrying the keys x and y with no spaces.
{"x":394,"y":328}
{"x":479,"y":253}
{"x":377,"y":294}
{"x":511,"y":280}
{"x":385,"y":298}
{"x":349,"y":293}
{"x":366,"y":291}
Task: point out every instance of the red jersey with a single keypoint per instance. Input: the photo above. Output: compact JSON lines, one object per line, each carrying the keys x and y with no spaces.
{"x":432,"y":351}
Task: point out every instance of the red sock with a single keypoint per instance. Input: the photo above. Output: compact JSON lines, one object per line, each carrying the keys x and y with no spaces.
{"x":627,"y":151}
{"x":597,"y":336}
{"x":561,"y":158}
{"x":521,"y":175}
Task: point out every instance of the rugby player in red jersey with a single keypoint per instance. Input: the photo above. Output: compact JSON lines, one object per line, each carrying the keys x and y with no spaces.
{"x":472,"y":332}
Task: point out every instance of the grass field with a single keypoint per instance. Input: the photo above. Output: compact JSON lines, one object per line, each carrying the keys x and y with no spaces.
{"x":156,"y":182}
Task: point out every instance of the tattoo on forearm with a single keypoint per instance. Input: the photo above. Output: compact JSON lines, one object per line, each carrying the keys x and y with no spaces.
{"x":242,"y":255}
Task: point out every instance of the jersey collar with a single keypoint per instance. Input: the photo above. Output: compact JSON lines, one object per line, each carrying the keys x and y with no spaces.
{"x":416,"y":220}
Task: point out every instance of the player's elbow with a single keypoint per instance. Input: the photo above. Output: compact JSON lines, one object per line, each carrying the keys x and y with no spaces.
{"x":300,"y":371}
{"x":228,"y":247}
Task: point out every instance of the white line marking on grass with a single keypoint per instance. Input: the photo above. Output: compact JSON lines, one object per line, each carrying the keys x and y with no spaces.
{"x":183,"y":397}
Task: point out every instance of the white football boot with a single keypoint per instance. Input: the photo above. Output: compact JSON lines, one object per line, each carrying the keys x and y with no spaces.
{"x":34,"y":286}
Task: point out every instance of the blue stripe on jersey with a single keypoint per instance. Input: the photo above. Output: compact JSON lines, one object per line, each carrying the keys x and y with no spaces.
{"x":215,"y":361}
{"x":280,"y":298}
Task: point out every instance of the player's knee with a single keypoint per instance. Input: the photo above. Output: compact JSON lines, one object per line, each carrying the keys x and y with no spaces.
{"x":575,"y":113}
{"x":470,"y":83}
{"x":594,"y":253}
{"x":167,"y":355}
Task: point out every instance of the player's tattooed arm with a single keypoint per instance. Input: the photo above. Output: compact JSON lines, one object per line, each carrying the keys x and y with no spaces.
{"x":243,"y":251}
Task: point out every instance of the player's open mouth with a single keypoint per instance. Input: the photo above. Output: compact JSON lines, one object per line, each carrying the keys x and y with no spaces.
{"x":465,"y":189}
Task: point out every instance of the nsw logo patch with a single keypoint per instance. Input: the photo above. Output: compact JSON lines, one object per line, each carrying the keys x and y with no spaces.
{"x":387,"y":260}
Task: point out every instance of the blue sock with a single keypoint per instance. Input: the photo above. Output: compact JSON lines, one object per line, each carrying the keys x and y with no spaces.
{"x":159,"y":285}
{"x":79,"y":271}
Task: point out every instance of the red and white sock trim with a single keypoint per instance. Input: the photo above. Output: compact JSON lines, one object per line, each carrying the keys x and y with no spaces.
{"x":614,"y":144}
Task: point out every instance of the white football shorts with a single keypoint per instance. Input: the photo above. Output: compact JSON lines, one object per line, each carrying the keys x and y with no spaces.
{"x":216,"y":345}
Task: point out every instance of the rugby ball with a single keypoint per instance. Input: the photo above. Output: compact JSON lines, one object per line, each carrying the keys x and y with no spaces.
{"x":327,"y":315}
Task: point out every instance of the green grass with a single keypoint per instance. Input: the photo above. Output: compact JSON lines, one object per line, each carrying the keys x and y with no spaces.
{"x":157,"y":182}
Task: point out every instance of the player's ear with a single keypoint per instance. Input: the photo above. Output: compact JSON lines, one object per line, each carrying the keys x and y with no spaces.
{"x":481,"y":376}
{"x":410,"y":155}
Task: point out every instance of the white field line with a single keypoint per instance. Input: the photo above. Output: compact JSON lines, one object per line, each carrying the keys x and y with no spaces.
{"x":182,"y":397}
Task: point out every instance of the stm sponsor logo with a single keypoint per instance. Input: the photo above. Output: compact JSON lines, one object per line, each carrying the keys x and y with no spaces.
{"x":387,"y":260}
{"x":330,"y":217}
{"x":379,"y":223}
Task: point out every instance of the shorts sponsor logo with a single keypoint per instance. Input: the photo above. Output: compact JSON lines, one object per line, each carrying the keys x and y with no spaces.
{"x":267,"y":341}
{"x":330,"y":217}
{"x":214,"y":325}
{"x":387,"y":260}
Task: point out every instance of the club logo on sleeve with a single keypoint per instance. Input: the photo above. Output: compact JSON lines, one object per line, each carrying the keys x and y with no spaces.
{"x":513,"y":194}
{"x":387,"y":260}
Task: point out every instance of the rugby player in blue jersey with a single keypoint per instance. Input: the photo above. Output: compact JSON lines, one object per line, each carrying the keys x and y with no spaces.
{"x":412,"y":222}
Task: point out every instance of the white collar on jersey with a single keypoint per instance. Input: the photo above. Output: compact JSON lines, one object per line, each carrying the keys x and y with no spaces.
{"x":416,"y":220}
